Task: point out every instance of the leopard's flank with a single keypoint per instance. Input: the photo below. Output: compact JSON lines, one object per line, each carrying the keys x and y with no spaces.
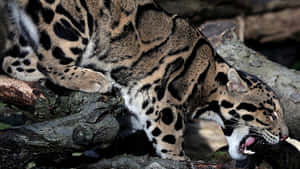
{"x":165,"y":69}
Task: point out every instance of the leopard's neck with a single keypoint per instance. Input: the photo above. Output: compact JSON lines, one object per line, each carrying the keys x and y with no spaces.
{"x":217,"y":80}
{"x":211,"y":83}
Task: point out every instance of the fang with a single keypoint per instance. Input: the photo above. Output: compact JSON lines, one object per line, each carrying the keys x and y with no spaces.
{"x":249,"y":152}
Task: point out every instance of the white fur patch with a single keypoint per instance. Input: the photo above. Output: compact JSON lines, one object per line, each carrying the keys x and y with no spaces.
{"x":23,"y":21}
{"x":270,"y":138}
{"x":89,"y":51}
{"x":210,"y":115}
{"x":234,"y":142}
{"x":133,"y":101}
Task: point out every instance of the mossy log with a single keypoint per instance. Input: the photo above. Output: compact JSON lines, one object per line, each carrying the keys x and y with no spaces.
{"x":57,"y":139}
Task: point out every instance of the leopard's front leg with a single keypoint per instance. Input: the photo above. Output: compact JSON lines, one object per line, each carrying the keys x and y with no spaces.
{"x":77,"y":78}
{"x":165,"y":127}
{"x":163,"y":123}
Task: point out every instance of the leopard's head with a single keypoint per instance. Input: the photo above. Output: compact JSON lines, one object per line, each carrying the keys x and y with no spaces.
{"x":248,"y":110}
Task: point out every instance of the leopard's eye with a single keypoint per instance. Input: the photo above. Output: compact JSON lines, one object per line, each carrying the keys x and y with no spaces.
{"x":273,"y":116}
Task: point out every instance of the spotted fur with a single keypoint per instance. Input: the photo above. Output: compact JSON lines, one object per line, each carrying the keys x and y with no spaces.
{"x":164,"y":68}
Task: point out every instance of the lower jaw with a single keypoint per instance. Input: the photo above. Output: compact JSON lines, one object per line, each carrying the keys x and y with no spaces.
{"x":246,"y":152}
{"x":236,"y":154}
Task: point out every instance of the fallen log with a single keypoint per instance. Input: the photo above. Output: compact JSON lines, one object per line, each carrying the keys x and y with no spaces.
{"x":56,"y":140}
{"x":146,"y":162}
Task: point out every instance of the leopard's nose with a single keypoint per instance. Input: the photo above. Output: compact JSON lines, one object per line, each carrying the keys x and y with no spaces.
{"x":283,"y":138}
{"x":284,"y":132}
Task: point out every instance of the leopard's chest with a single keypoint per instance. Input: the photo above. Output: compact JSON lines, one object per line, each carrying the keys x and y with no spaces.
{"x":134,"y":102}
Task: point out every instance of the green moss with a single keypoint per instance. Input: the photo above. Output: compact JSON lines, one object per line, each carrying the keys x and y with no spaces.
{"x":2,"y":105}
{"x":4,"y":126}
{"x":296,"y":65}
{"x":220,"y":156}
{"x":31,"y":165}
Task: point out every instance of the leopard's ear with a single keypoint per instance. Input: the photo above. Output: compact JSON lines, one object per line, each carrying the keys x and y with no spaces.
{"x":235,"y":83}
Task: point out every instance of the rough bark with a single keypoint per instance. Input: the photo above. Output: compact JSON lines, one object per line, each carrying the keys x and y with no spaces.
{"x":18,"y":92}
{"x":55,"y":140}
{"x":3,"y":27}
{"x":145,"y":162}
{"x":272,"y":26}
{"x":266,"y":27}
{"x":207,"y":9}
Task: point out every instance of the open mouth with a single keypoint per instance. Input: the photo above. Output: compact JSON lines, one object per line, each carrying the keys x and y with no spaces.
{"x":250,"y":143}
{"x":247,"y":144}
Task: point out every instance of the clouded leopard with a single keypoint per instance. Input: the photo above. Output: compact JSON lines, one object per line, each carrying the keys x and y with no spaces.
{"x":164,"y":68}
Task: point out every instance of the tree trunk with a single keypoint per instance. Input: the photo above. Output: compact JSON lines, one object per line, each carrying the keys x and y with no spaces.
{"x":200,"y":10}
